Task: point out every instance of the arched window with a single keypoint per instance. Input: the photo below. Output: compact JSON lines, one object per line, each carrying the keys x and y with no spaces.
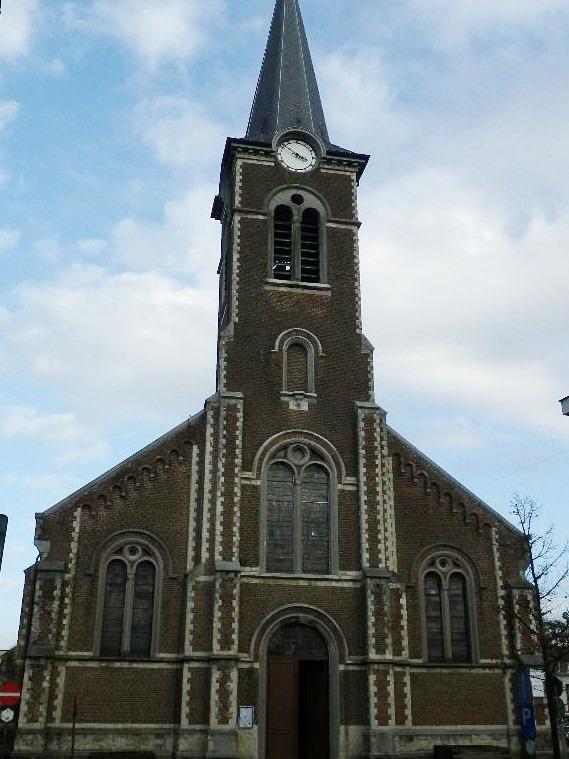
{"x":128,"y":619}
{"x":448,"y":613}
{"x":297,"y":369}
{"x":297,"y":238}
{"x":299,"y":517}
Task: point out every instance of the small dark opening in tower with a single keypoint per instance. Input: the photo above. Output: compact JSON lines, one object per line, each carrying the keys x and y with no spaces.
{"x":282,"y":258}
{"x":297,"y":199}
{"x":310,"y":246}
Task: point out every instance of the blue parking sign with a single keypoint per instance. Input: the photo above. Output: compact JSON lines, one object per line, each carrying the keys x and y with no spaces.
{"x":526,"y":710}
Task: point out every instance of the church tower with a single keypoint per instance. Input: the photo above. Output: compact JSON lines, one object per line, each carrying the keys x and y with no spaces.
{"x":312,"y":521}
{"x":282,"y":576}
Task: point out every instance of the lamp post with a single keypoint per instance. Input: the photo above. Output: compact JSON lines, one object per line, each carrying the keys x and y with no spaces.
{"x":3,"y":528}
{"x":565,"y":405}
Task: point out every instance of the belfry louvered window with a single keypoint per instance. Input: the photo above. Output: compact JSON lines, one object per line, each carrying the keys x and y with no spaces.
{"x":447,"y":611}
{"x":298,"y":514}
{"x":129,"y":601}
{"x":297,"y":239}
{"x":310,"y":246}
{"x":283,"y":244}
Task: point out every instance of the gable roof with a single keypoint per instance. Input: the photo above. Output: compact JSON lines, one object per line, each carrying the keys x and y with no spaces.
{"x":453,"y":481}
{"x":124,"y":467}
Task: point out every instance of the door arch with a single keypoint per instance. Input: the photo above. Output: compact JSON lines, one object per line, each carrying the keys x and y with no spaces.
{"x":298,"y":655}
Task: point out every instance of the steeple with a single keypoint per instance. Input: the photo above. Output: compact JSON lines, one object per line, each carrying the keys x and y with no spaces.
{"x":287,"y":95}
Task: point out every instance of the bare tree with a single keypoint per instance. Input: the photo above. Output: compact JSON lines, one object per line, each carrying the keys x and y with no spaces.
{"x":548,"y":625}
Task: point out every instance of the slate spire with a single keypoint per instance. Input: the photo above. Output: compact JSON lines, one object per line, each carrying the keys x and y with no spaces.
{"x":287,"y":95}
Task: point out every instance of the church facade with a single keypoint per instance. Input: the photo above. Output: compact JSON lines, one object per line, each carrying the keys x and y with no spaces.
{"x":282,"y":575}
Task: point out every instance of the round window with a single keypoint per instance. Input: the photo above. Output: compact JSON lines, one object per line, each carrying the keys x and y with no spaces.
{"x":133,"y":552}
{"x":298,"y":454}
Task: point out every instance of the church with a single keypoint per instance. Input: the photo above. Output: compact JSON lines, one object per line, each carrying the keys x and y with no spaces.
{"x":281,"y":576}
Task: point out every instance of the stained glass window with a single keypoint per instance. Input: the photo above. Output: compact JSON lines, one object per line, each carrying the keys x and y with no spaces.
{"x":434,"y":615}
{"x":299,"y":515}
{"x":280,"y":518}
{"x":113,"y":612}
{"x":315,"y":520}
{"x":142,"y":609}
{"x":459,"y":624}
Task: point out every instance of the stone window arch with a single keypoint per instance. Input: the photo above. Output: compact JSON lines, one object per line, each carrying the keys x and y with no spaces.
{"x":299,"y":512}
{"x":297,"y":239}
{"x":448,"y":609}
{"x":130,"y":579}
{"x":298,"y":350}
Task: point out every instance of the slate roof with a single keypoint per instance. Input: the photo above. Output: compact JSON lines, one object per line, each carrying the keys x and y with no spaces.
{"x":287,"y":95}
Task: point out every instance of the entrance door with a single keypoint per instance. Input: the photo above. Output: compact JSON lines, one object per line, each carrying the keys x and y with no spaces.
{"x":314,"y":707}
{"x":298,"y":700}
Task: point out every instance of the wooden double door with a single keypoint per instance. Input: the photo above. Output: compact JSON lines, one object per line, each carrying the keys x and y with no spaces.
{"x":298,"y":703}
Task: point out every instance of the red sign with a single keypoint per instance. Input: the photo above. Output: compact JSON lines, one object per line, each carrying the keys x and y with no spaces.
{"x":10,"y":694}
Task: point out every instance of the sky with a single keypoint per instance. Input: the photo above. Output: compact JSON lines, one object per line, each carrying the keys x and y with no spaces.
{"x":113,"y":118}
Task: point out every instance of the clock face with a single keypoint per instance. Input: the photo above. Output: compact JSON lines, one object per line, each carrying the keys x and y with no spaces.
{"x":297,"y":155}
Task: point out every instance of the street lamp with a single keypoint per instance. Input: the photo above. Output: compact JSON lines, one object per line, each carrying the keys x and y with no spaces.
{"x":565,"y":405}
{"x":3,"y":528}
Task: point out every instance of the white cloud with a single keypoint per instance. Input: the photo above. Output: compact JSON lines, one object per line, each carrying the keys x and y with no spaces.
{"x":364,"y":110}
{"x":454,"y":432}
{"x":116,"y":345}
{"x":456,"y":23}
{"x":9,"y":238}
{"x":462,"y":312}
{"x":171,"y":30}
{"x":9,"y":110}
{"x":465,"y":210}
{"x":185,"y":241}
{"x":50,"y":486}
{"x":27,"y":421}
{"x":181,"y":133}
{"x":93,"y":246}
{"x":48,"y":249}
{"x":18,"y":25}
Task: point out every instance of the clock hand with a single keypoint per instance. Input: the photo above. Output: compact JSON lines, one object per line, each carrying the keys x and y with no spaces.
{"x":297,"y":155}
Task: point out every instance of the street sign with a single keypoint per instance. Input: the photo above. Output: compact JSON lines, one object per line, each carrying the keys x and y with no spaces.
{"x":526,"y":710}
{"x":10,"y":694}
{"x":246,"y":717}
{"x":7,"y":715}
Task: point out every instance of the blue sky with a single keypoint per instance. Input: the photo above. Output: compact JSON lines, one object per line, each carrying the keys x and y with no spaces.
{"x":113,"y":116}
